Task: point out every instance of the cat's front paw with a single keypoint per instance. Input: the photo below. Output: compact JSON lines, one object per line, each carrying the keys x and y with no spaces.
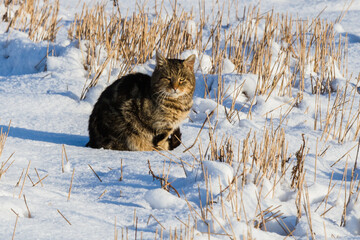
{"x":157,"y":139}
{"x":175,"y":139}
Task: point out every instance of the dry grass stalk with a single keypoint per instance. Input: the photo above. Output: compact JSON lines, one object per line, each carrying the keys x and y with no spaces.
{"x":3,"y":167}
{"x":157,"y":221}
{"x":136,"y":226}
{"x":17,"y":218}
{"x":40,"y":180}
{"x":63,"y":154}
{"x":193,"y":210}
{"x":267,"y":215}
{"x":71,"y":182}
{"x":221,"y":226}
{"x":30,"y":179}
{"x":94,"y":172}
{"x":325,"y":199}
{"x":121,"y":170}
{"x":62,"y":161}
{"x":316,"y":156}
{"x":308,"y":212}
{"x":27,"y":207}
{"x":298,"y":176}
{"x":357,"y":155}
{"x":163,"y":181}
{"x":102,"y":194}
{"x":348,"y":197}
{"x":3,"y":137}
{"x":18,"y":182}
{"x":343,"y":216}
{"x":208,"y":117}
{"x":173,"y":160}
{"x":37,"y":174}
{"x":298,"y":169}
{"x":23,"y":184}
{"x":181,"y":160}
{"x":344,"y":155}
{"x":358,"y":192}
{"x":116,"y":232}
{"x":64,"y":217}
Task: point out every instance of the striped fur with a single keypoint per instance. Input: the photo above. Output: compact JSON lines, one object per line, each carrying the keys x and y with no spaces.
{"x":139,"y":113}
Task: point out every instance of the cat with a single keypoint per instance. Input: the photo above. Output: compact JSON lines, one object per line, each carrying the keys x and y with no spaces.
{"x":139,"y":112}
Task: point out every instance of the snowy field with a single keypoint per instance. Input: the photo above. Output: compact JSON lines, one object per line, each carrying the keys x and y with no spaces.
{"x":252,"y":165}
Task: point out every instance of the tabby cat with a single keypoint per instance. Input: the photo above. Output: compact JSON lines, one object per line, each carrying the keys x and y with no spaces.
{"x":139,"y":113}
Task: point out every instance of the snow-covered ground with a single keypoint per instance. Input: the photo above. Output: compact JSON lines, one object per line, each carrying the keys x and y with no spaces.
{"x":47,"y":117}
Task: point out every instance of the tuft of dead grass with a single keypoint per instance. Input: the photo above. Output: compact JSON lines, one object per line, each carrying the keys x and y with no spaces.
{"x":5,"y":165}
{"x":38,"y":18}
{"x":131,"y":39}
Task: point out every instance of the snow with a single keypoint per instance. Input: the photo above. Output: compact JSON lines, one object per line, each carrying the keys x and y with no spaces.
{"x":205,"y":63}
{"x":41,"y":100}
{"x":227,"y":66}
{"x":160,"y":198}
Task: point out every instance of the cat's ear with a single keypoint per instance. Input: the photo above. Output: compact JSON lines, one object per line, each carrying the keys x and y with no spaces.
{"x":160,"y":60}
{"x":190,"y":61}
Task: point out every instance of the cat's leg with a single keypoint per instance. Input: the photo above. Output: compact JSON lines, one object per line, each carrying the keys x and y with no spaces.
{"x":162,"y":133}
{"x":160,"y":141}
{"x":163,"y":145}
{"x":159,"y":138}
{"x":175,"y":139}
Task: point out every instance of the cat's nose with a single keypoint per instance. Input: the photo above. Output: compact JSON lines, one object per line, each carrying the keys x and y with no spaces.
{"x":175,"y":86}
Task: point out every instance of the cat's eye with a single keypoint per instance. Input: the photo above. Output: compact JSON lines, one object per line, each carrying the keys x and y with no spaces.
{"x":181,"y":80}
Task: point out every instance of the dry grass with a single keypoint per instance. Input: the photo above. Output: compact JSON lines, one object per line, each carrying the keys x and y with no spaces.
{"x":165,"y":184}
{"x":5,"y":165}
{"x":38,"y":18}
{"x":127,"y":40}
{"x":341,"y":120}
{"x":309,"y":42}
{"x":263,"y":157}
{"x":305,"y":49}
{"x":3,"y":137}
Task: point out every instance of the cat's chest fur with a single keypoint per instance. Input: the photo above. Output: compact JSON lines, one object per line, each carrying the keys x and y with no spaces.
{"x":172,"y":114}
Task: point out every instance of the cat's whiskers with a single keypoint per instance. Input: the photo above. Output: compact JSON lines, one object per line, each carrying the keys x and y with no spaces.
{"x":161,"y":95}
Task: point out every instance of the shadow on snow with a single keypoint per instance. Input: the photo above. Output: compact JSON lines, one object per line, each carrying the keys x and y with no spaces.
{"x":50,"y":137}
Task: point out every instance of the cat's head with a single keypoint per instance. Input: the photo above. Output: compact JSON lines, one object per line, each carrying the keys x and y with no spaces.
{"x":173,"y":77}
